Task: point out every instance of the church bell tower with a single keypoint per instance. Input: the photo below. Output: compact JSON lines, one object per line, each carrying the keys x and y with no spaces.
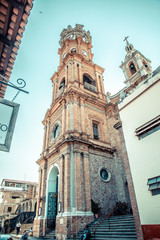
{"x":135,"y":65}
{"x":77,"y":163}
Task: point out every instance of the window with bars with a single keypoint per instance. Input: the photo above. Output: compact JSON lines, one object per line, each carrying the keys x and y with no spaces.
{"x":154,"y":185}
{"x":95,"y":131}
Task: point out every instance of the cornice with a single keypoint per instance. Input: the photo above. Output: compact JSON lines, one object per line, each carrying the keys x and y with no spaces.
{"x":72,"y":139}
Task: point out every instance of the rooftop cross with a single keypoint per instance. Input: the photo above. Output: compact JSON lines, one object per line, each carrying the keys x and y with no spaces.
{"x":126,"y":39}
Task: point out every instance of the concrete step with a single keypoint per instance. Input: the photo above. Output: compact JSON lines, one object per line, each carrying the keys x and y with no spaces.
{"x":115,"y":233}
{"x":50,"y":235}
{"x":26,"y":227}
{"x":121,"y":227}
{"x":116,"y":230}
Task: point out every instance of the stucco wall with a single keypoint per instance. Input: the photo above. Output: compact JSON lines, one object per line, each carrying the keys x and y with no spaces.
{"x":137,"y":109}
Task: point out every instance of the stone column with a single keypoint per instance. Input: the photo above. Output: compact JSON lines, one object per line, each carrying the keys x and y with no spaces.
{"x":76,"y":113}
{"x":76,"y":83}
{"x":63,"y":117}
{"x":78,"y":182}
{"x":39,"y":227}
{"x":61,"y":183}
{"x":70,"y":77}
{"x":43,"y":190}
{"x":102,"y":86}
{"x":66,"y":75}
{"x":81,"y":76}
{"x":44,"y":138}
{"x":47,"y":133}
{"x":39,"y":192}
{"x":67,"y":183}
{"x":56,"y":88}
{"x":53,"y":92}
{"x":72,"y":179}
{"x":98,"y":85}
{"x":82,"y":113}
{"x":67,"y":116}
{"x":87,"y":183}
{"x":71,"y":118}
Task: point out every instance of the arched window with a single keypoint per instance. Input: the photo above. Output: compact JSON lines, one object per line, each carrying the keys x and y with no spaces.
{"x":89,"y":83}
{"x":145,"y":64}
{"x":62,"y":83}
{"x":95,"y":130}
{"x":88,"y":79}
{"x":73,"y":50}
{"x":132,"y":68}
{"x":55,"y":131}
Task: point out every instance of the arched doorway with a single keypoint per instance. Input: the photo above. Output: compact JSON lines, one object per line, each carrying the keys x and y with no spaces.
{"x":52,"y":197}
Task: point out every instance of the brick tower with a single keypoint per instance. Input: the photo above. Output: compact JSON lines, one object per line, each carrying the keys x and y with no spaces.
{"x":81,"y":158}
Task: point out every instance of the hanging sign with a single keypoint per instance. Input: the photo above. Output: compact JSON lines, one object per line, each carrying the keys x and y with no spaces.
{"x":8,"y":116}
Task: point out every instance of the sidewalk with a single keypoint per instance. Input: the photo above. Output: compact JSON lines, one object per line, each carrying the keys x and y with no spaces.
{"x":15,"y":237}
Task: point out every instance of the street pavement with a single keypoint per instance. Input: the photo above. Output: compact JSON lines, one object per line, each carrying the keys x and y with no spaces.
{"x":16,"y":237}
{"x":19,"y":237}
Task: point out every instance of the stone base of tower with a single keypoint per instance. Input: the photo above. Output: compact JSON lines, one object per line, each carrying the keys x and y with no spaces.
{"x":39,"y":227}
{"x":69,"y":226}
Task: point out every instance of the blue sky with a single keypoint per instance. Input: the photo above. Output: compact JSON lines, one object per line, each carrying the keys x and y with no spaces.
{"x":108,"y":21}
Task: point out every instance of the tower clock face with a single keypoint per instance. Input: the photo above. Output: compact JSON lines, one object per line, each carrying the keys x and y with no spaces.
{"x":84,"y":52}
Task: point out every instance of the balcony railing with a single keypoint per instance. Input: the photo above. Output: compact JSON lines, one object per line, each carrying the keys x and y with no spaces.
{"x":60,"y":92}
{"x":90,"y":87}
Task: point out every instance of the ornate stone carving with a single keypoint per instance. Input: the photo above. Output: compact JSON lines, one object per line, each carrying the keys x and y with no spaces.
{"x":71,"y":33}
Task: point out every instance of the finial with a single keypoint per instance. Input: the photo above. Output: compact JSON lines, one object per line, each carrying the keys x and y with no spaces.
{"x":126,"y":40}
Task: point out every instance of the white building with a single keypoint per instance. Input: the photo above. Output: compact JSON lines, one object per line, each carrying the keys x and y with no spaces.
{"x":139,"y":110}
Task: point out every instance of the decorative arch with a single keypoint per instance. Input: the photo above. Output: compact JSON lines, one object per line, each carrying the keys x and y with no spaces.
{"x":52,"y":195}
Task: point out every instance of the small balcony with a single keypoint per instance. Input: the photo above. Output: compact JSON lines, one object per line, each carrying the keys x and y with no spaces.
{"x":60,"y":92}
{"x":90,"y":87}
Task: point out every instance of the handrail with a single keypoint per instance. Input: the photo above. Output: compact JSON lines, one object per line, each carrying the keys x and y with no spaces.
{"x":16,"y":209}
{"x":27,"y":220}
{"x":107,"y":216}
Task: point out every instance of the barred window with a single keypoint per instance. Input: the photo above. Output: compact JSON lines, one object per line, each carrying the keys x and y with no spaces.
{"x":154,"y":185}
{"x":95,"y":131}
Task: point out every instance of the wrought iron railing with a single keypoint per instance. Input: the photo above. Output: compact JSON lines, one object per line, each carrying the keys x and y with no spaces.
{"x":24,"y":217}
{"x":107,"y":216}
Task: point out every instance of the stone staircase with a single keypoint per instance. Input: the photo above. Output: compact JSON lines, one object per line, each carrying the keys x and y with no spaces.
{"x":50,"y":235}
{"x":26,"y":227}
{"x":121,"y":228}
